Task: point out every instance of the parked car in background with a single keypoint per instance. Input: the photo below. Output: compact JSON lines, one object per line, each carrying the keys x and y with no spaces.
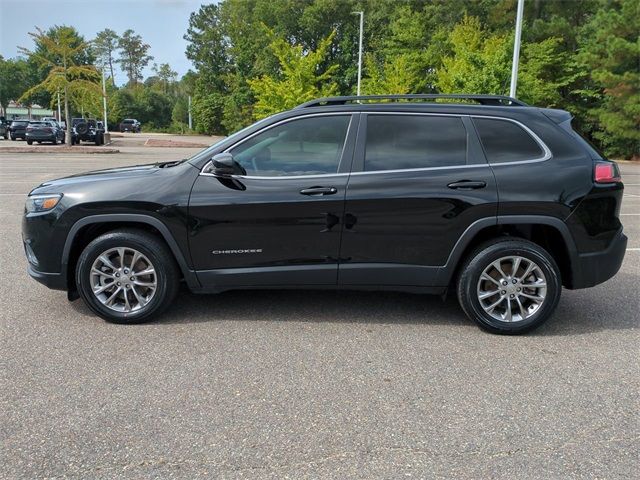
{"x":130,"y":125}
{"x":4,"y":129}
{"x":87,"y":130}
{"x":501,"y":203}
{"x":44,"y":131}
{"x":18,"y":128}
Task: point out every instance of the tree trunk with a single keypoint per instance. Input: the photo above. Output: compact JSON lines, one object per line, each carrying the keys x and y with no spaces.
{"x":67,"y":134}
{"x":113,"y":79}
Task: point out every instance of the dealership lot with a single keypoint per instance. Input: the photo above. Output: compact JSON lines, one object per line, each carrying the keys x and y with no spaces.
{"x":275,"y":384}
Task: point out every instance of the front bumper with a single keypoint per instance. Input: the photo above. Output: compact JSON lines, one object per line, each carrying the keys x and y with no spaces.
{"x":596,"y":268}
{"x":55,"y":281}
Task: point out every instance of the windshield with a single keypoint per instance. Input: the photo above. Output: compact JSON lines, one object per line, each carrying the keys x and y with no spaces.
{"x":20,"y":124}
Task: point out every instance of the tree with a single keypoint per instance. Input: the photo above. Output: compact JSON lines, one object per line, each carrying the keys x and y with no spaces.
{"x":479,"y":62}
{"x":165,"y":75}
{"x":60,"y":54}
{"x":133,"y":55}
{"x":609,"y":50}
{"x":395,"y":76}
{"x":301,"y":78}
{"x":105,"y":46}
{"x":15,"y":80}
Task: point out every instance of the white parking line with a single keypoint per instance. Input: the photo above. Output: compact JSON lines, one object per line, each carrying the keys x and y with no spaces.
{"x":633,"y":249}
{"x":629,"y":214}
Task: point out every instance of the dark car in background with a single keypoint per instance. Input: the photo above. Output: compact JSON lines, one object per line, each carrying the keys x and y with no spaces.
{"x":87,"y":130}
{"x":130,"y":125}
{"x":4,"y":129}
{"x":18,"y":129}
{"x":44,"y":131}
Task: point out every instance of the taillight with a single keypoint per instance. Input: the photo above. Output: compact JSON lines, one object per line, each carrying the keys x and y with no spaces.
{"x":606,"y":172}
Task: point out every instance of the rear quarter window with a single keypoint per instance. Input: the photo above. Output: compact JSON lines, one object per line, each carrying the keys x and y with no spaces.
{"x":506,"y":141}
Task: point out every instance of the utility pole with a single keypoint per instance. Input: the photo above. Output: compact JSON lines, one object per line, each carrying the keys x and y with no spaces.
{"x":59,"y":112}
{"x":190,"y":125}
{"x":360,"y":49}
{"x":104,"y":102}
{"x":516,"y":50}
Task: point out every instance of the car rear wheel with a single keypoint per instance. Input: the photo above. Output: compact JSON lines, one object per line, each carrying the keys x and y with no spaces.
{"x":29,"y":142}
{"x":127,"y":276}
{"x":509,"y":286}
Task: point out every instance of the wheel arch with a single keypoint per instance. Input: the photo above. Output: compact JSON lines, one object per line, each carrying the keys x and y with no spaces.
{"x":88,"y":228}
{"x":550,"y":233}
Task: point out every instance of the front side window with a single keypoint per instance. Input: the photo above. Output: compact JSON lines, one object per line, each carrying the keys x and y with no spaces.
{"x":307,"y":146}
{"x":505,"y":141}
{"x":399,"y":142}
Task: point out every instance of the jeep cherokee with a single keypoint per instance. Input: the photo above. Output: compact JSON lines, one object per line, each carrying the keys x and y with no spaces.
{"x":502,"y":202}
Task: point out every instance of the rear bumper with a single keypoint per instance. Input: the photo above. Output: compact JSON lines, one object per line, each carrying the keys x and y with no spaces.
{"x":595,"y":268}
{"x":55,"y":281}
{"x":40,"y":136}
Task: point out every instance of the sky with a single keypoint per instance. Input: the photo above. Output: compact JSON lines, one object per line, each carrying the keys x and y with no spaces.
{"x":161,"y":23}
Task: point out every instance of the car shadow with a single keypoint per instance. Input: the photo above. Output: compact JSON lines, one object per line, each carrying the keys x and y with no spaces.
{"x":579,"y":312}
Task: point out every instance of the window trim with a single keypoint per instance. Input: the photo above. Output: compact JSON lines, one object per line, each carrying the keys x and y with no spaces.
{"x":351,"y":116}
{"x":547,"y":155}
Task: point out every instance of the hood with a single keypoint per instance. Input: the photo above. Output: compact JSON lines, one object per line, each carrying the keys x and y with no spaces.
{"x":119,"y":173}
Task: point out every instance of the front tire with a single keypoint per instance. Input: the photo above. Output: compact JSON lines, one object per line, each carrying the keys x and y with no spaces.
{"x":127,"y":276}
{"x":29,"y":142}
{"x":509,"y":286}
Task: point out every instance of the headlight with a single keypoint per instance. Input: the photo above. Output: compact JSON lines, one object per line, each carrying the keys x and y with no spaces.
{"x":42,"y":203}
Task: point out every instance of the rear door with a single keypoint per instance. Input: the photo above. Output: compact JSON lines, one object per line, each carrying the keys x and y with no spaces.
{"x":418,"y":181}
{"x":280,"y":223}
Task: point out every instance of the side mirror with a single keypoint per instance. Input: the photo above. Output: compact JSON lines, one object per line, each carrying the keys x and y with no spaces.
{"x":224,"y":165}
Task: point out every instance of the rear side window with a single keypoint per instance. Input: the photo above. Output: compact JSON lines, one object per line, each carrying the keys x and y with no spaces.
{"x":398,"y":142}
{"x":505,"y":141}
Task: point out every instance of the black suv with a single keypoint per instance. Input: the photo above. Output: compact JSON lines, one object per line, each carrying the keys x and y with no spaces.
{"x":87,"y":130}
{"x":501,"y":202}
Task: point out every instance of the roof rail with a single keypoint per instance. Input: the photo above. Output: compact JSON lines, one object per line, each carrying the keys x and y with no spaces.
{"x":495,"y":100}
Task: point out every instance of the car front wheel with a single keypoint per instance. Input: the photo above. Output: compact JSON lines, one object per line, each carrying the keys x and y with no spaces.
{"x":509,"y":286}
{"x":127,"y":276}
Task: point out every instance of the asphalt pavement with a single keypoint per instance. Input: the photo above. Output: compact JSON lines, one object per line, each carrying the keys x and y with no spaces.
{"x":297,"y":384}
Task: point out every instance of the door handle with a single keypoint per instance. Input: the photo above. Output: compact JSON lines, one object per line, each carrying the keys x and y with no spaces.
{"x":313,"y":191}
{"x":467,"y":185}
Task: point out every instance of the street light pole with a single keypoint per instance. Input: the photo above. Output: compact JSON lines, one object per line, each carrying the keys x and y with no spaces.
{"x":190,"y":124}
{"x":104,"y":102}
{"x":360,"y":48}
{"x":516,"y":50}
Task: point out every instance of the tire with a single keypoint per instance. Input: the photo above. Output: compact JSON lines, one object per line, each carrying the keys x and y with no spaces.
{"x":29,"y":142}
{"x":54,"y":141}
{"x":155,"y":253}
{"x":538,"y":292}
{"x":97,"y":140}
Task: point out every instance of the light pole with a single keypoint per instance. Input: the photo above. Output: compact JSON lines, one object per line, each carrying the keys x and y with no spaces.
{"x":516,"y":50}
{"x":104,"y":102}
{"x":360,"y":48}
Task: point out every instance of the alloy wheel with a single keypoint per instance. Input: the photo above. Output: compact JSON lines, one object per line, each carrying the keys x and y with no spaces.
{"x":123,"y":279}
{"x":512,"y":289}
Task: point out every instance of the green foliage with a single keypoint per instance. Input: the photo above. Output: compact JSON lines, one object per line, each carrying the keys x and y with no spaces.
{"x":59,"y":53}
{"x":610,"y":51}
{"x":479,"y":63}
{"x":104,"y":46}
{"x":133,"y":55}
{"x":207,"y":109}
{"x":14,"y":75}
{"x":301,"y":78}
{"x":396,"y":76}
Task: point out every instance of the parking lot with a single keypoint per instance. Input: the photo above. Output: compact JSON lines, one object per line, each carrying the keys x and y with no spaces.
{"x":297,"y":384}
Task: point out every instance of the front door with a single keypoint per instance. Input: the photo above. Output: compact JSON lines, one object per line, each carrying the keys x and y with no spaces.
{"x":418,"y":181}
{"x":280,"y":223}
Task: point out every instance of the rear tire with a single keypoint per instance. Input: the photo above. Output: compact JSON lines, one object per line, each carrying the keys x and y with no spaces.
{"x":522,"y":299}
{"x":29,"y":142}
{"x":119,"y":274}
